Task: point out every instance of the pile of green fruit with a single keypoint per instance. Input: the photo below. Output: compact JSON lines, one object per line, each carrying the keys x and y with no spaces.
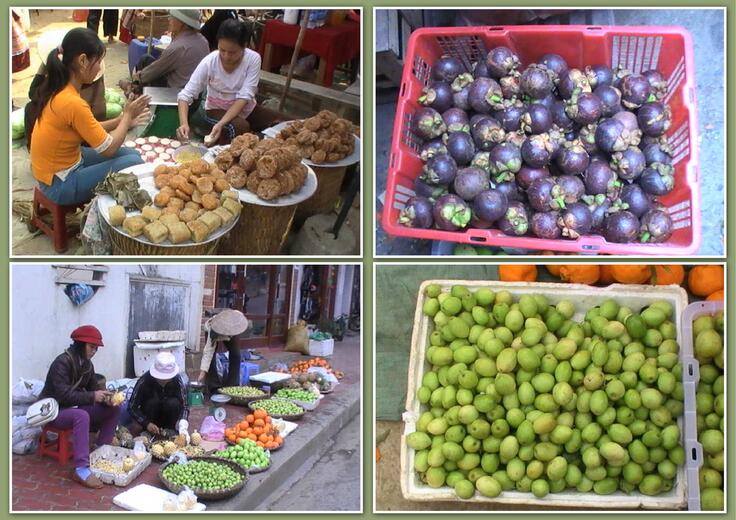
{"x":522,"y":396}
{"x":297,"y":395}
{"x":277,"y":407}
{"x":708,"y":342}
{"x":202,"y":475}
{"x":114,"y":103}
{"x":242,"y":391}
{"x":246,"y":453}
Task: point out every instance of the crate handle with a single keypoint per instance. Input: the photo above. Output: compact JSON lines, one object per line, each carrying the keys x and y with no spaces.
{"x":694,"y":452}
{"x":392,"y":160}
{"x":478,"y":239}
{"x":594,"y":28}
{"x":402,"y":90}
{"x":496,"y":28}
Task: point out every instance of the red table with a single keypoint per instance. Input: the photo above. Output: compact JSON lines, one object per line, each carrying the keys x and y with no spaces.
{"x":333,"y":45}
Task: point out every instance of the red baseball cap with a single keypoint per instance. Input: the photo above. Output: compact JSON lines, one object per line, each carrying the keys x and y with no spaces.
{"x":88,"y":334}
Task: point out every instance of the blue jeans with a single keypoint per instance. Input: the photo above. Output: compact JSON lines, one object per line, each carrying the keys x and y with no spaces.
{"x":80,"y":183}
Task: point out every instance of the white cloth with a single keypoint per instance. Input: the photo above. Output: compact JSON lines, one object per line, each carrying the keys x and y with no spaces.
{"x":208,"y":351}
{"x":224,"y":88}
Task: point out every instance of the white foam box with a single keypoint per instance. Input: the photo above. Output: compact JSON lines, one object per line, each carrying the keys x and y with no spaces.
{"x":162,"y":335}
{"x":321,"y":348}
{"x":584,"y":296}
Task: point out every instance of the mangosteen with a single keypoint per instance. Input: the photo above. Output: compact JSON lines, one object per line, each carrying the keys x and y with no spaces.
{"x":621,"y":227}
{"x":631,"y":123}
{"x":584,"y":108}
{"x":586,"y":135}
{"x":635,"y":91}
{"x":485,"y":95}
{"x":537,"y":150}
{"x":447,"y":68}
{"x":469,"y":182}
{"x":500,"y":61}
{"x":461,"y":91}
{"x":555,"y":65}
{"x":431,"y":148}
{"x":451,"y":213}
{"x":516,"y":220}
{"x":599,"y":206}
{"x":575,"y":220}
{"x":657,"y":82}
{"x":629,"y":163}
{"x":560,"y":117}
{"x":635,"y":199}
{"x":663,"y":141}
{"x":490,"y":205}
{"x":536,"y":120}
{"x":417,"y":213}
{"x":544,"y":225}
{"x":601,"y":180}
{"x":456,"y":120}
{"x":438,"y":96}
{"x":429,"y":191}
{"x":536,"y":82}
{"x":510,"y":85}
{"x":612,"y":136}
{"x":440,"y":169}
{"x":515,"y":138}
{"x":572,"y":158}
{"x":528,"y":174}
{"x":569,"y":188}
{"x":480,"y":69}
{"x":510,"y":115}
{"x":487,"y":132}
{"x":428,"y":123}
{"x":510,"y":189}
{"x":573,"y":81}
{"x":610,"y":100}
{"x":657,"y":153}
{"x":619,"y":73}
{"x":654,"y":118}
{"x":655,"y":182}
{"x":481,"y":160}
{"x":544,"y":195}
{"x":461,"y":147}
{"x":477,"y":223}
{"x":599,"y":75}
{"x":547,"y":101}
{"x":656,"y":227}
{"x":505,"y":161}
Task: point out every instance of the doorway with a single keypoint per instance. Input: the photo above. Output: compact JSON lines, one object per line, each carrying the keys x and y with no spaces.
{"x":262,"y":293}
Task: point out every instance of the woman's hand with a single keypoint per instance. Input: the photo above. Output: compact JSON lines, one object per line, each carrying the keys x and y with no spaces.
{"x":136,"y":107}
{"x":183,"y":132}
{"x":214,"y":135}
{"x":152,"y":428}
{"x":143,"y":119}
{"x":101,"y":396}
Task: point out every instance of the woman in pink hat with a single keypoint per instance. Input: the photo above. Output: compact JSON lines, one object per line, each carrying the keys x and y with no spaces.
{"x":159,"y":399}
{"x":83,"y":408}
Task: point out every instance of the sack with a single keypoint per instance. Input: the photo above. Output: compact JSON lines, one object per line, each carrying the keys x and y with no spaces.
{"x":42,"y":412}
{"x":297,"y":338}
{"x":26,"y":391}
{"x":26,"y":446}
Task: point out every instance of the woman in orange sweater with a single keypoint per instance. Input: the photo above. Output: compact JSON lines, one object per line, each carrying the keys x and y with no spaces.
{"x":67,"y":170}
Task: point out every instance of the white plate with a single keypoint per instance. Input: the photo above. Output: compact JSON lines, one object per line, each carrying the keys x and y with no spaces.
{"x":144,"y":172}
{"x":347,"y":161}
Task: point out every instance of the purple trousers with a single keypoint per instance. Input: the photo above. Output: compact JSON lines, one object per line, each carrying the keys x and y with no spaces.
{"x":84,"y":419}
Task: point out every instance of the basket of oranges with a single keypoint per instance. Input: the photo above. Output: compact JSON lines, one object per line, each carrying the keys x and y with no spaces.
{"x":258,"y":427}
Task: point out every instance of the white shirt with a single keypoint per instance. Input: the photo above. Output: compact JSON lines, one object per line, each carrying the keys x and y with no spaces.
{"x":224,"y":88}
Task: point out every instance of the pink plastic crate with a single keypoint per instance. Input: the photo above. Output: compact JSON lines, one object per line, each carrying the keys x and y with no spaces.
{"x":668,"y":49}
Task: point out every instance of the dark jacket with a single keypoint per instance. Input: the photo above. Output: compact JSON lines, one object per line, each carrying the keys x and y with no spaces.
{"x":148,"y":390}
{"x":65,"y":372}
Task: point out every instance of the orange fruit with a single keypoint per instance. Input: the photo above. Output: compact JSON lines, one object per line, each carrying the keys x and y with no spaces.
{"x":580,"y":273}
{"x":260,"y":414}
{"x":704,"y":280}
{"x":242,"y":435}
{"x":554,"y":269}
{"x":250,"y":418}
{"x":606,"y":274}
{"x":718,"y":295}
{"x":517,"y":273}
{"x":668,"y":275}
{"x":632,"y":274}
{"x":259,"y":422}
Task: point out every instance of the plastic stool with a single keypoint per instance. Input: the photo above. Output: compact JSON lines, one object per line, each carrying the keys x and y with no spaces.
{"x":57,"y":231}
{"x":60,"y":448}
{"x":247,"y":370}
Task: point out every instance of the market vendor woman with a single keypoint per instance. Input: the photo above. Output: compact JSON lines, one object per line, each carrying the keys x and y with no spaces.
{"x":159,"y":399}
{"x":224,"y":329}
{"x":230,"y":78}
{"x":82,"y":406}
{"x":71,"y":152}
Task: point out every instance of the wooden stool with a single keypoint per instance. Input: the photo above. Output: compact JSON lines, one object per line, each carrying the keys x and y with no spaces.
{"x":57,"y":231}
{"x":60,"y":448}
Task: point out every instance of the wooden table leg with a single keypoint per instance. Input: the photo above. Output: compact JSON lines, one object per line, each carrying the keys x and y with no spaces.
{"x":321,"y":72}
{"x":267,"y":55}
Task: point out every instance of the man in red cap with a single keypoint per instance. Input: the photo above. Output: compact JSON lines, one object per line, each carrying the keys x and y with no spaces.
{"x":82,"y":407}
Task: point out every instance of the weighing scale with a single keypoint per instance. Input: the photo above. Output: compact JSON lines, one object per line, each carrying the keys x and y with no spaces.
{"x":216,"y":410}
{"x":195,"y":395}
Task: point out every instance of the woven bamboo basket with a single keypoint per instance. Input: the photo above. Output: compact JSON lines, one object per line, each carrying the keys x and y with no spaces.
{"x":122,"y":244}
{"x":261,"y":230}
{"x":329,"y":182}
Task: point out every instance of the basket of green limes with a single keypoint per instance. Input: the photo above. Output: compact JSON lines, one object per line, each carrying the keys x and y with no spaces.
{"x":210,"y":478}
{"x":279,"y":408}
{"x":242,"y":395}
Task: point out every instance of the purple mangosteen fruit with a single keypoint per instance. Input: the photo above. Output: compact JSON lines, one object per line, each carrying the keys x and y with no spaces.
{"x":429,"y":191}
{"x":572,"y":158}
{"x":575,"y":220}
{"x":610,"y":100}
{"x":487,"y":132}
{"x":490,"y":205}
{"x":537,"y":150}
{"x":629,"y":163}
{"x":635,"y":199}
{"x":428,"y":123}
{"x":477,"y":223}
{"x":461,"y":91}
{"x":461,"y":147}
{"x":657,"y":82}
{"x":621,"y":227}
{"x":586,"y":136}
{"x":612,"y":136}
{"x":510,"y":85}
{"x":485,"y":95}
{"x":544,"y":225}
{"x":555,"y":65}
{"x":536,"y":81}
{"x":510,"y":116}
{"x":547,"y":101}
{"x":560,"y":117}
{"x":584,"y":108}
{"x":657,"y":153}
{"x":654,"y":118}
{"x":515,"y":138}
{"x":599,"y":75}
{"x":456,"y":120}
{"x":480,"y":69}
{"x":629,"y":120}
{"x":569,"y":187}
{"x":528,"y":174}
{"x":654,"y":182}
{"x":537,"y":119}
{"x":481,"y":160}
{"x":431,"y":148}
{"x":599,"y":207}
{"x":447,"y":68}
{"x":516,"y":220}
{"x":417,"y":213}
{"x":440,"y":169}
{"x":500,"y":61}
{"x":505,"y":161}
{"x":544,"y":195}
{"x":470,"y":182}
{"x":601,"y":180}
{"x":619,"y":73}
{"x":573,"y":81}
{"x":451,"y":213}
{"x":656,"y":227}
{"x":635,"y":91}
{"x":510,"y":189}
{"x":438,"y":96}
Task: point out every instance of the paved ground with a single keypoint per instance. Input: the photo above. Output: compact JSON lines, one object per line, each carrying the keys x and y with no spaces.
{"x":40,"y":484}
{"x":707,"y":30}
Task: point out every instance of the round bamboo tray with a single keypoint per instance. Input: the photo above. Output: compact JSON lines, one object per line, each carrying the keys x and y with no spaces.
{"x":329,"y":181}
{"x":242,"y":400}
{"x":269,"y":449}
{"x":208,"y":495}
{"x":122,"y":244}
{"x":293,"y":417}
{"x":261,"y":230}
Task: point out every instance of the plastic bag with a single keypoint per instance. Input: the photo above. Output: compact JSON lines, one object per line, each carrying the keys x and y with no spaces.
{"x":186,"y":500}
{"x":26,"y":446}
{"x":329,"y":376}
{"x":212,"y":429}
{"x":27,"y":391}
{"x":297,"y":338}
{"x":279,"y":367}
{"x":139,"y":450}
{"x":79,"y":293}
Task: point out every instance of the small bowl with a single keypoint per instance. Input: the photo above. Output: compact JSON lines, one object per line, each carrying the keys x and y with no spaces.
{"x":189,"y":153}
{"x":220,"y":398}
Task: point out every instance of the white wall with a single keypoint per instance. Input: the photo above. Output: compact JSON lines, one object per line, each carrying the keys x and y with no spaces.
{"x":43,"y":316}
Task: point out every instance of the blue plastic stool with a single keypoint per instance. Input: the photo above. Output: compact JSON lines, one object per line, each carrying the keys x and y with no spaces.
{"x":247,"y":370}
{"x":136,"y":50}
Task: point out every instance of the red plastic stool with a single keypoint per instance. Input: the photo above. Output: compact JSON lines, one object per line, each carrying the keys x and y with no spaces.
{"x":60,"y":448}
{"x":57,"y":231}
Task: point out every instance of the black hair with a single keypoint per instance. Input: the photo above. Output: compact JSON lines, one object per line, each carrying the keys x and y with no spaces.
{"x":101,"y":381}
{"x":58,"y":69}
{"x":234,"y":30}
{"x":78,"y":345}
